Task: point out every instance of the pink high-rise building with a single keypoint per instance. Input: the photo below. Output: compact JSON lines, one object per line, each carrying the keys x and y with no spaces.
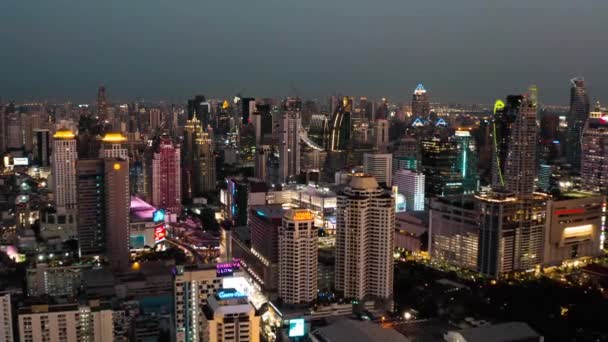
{"x":166,"y":176}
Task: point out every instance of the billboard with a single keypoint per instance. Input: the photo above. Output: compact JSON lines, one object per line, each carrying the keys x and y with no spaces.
{"x":18,"y":161}
{"x":226,"y":269}
{"x":160,"y":234}
{"x":158,"y":216}
{"x":296,"y":327}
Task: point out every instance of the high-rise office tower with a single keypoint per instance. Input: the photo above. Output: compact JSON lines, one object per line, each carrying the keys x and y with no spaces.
{"x":438,"y":162}
{"x":102,"y":104}
{"x":289,"y":139}
{"x":156,"y":119}
{"x":298,"y":257}
{"x":421,"y":107}
{"x":467,"y":161}
{"x":579,"y":111}
{"x":91,"y":206}
{"x":6,"y":316}
{"x":247,"y":109}
{"x":14,"y":132}
{"x":382,"y":138}
{"x":379,"y":165}
{"x":166,"y":176}
{"x":113,"y":145}
{"x":411,"y":185}
{"x":511,"y":232}
{"x":340,"y":125}
{"x":198,"y":160}
{"x":594,"y":162}
{"x":365,"y":231}
{"x":117,"y":205}
{"x":64,"y":170}
{"x":515,"y":132}
{"x":200,"y":109}
{"x":229,"y":316}
{"x":41,"y":148}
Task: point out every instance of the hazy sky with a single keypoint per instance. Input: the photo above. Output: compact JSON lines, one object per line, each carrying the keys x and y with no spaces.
{"x":463,"y":50}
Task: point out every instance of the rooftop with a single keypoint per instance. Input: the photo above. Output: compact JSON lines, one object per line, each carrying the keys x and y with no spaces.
{"x":363,"y":181}
{"x":348,"y":330}
{"x":504,"y":332}
{"x":114,"y":138}
{"x":65,"y":134}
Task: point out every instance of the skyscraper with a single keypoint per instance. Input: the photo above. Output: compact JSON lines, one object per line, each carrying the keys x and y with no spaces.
{"x":166,"y":176}
{"x":594,"y":162}
{"x":411,"y":185}
{"x":289,"y":139}
{"x":91,"y":206}
{"x":382,"y":138}
{"x":365,"y":231}
{"x":198,"y":160}
{"x":579,"y":111}
{"x":102,"y":104}
{"x":340,"y":126}
{"x":467,"y":161}
{"x":64,"y":170}
{"x":379,"y":165}
{"x":421,"y":107}
{"x":41,"y":148}
{"x":298,"y":257}
{"x":117,"y":205}
{"x":113,"y":145}
{"x":200,"y":109}
{"x":515,"y":132}
{"x":439,"y":163}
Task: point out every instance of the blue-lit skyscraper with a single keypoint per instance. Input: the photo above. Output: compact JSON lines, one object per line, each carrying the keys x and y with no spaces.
{"x":579,"y":111}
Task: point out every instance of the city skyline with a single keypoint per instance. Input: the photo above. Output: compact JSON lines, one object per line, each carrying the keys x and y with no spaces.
{"x":462,"y":53}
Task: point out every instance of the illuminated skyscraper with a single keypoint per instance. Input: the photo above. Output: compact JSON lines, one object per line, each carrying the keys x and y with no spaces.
{"x":365,"y":231}
{"x":289,"y":140}
{"x":594,"y":162}
{"x":64,"y":170}
{"x":200,"y":109}
{"x":579,"y":111}
{"x":467,"y":161}
{"x":439,"y":163}
{"x":113,"y":145}
{"x":421,"y":107}
{"x":515,"y":132}
{"x":411,"y":185}
{"x":340,"y":126}
{"x":298,"y":257}
{"x":198,"y":160}
{"x":166,"y":176}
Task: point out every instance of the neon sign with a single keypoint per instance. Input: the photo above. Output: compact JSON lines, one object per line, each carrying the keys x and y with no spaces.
{"x":226,"y":269}
{"x":231,"y":294}
{"x":303,"y":216}
{"x":160,"y":234}
{"x":158,"y":216}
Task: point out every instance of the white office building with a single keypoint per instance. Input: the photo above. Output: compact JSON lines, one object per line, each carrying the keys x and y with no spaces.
{"x":411,"y":185}
{"x":379,"y":165}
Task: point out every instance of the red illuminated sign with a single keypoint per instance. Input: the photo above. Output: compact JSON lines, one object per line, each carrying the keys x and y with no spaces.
{"x":569,"y":211}
{"x":160,"y":233}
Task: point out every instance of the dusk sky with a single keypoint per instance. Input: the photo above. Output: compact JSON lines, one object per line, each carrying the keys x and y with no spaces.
{"x":466,"y":51}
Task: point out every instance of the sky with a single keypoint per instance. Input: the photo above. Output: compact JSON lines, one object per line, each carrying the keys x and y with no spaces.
{"x":463,"y":51}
